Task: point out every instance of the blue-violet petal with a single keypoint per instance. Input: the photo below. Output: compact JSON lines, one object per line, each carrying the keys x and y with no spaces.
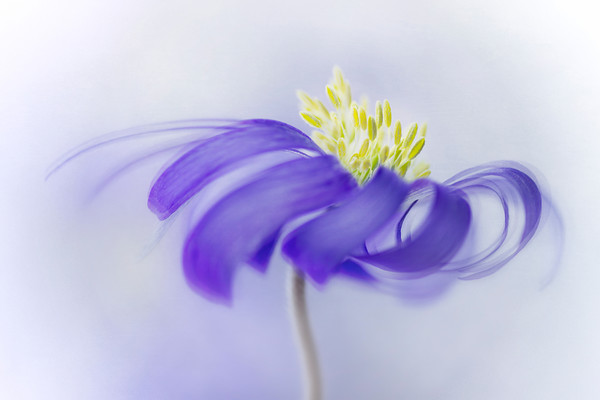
{"x":211,"y":158}
{"x":320,"y":245}
{"x":240,"y":226}
{"x":439,"y":238}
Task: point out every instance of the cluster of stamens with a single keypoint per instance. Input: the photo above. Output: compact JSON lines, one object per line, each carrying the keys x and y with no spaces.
{"x":363,"y":142}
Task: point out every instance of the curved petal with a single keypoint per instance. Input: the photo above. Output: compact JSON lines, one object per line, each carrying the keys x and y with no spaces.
{"x":321,"y":244}
{"x":213,"y":157}
{"x":439,"y":238}
{"x":241,"y":227}
{"x":518,"y":194}
{"x":190,"y":130}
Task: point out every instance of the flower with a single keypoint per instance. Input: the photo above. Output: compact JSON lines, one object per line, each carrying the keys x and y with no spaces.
{"x":354,"y":192}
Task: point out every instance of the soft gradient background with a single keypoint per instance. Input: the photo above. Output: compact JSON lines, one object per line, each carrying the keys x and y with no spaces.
{"x":84,"y":316}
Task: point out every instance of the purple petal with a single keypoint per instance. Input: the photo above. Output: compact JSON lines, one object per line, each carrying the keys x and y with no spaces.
{"x":260,"y":260}
{"x":354,"y":270}
{"x":242,"y":225}
{"x":217,"y":155}
{"x":439,"y":238}
{"x":174,"y":132}
{"x":320,"y":245}
{"x":519,"y":194}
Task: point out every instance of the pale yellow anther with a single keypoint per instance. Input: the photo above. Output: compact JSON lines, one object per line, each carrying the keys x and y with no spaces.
{"x":364,"y":148}
{"x":397,"y":156}
{"x":410,"y":136}
{"x":333,"y":97}
{"x":322,"y":144}
{"x":355,"y":117}
{"x":423,"y":130}
{"x":383,"y":155}
{"x":347,"y":94}
{"x":403,"y":167}
{"x":416,"y":148}
{"x":336,"y":132}
{"x":322,"y":137}
{"x":420,"y":167}
{"x":311,"y":119}
{"x":336,"y":123}
{"x":305,"y":99}
{"x":342,"y":86}
{"x":322,"y":109}
{"x":372,"y":128}
{"x":338,"y":76}
{"x":387,"y":113}
{"x":363,"y":118}
{"x":397,"y":133}
{"x":349,"y":129}
{"x":378,"y":114}
{"x":375,"y":162}
{"x":421,"y":170}
{"x":341,"y":149}
{"x":329,"y":143}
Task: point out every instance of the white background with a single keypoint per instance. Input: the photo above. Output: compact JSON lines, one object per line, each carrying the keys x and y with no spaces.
{"x":83,"y":316}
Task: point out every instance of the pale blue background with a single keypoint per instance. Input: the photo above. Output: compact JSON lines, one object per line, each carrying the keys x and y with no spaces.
{"x":82,"y":316}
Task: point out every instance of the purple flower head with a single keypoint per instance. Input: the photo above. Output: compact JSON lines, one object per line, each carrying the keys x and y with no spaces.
{"x":338,"y":203}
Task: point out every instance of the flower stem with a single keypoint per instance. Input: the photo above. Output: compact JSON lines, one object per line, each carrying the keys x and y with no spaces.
{"x":312,"y":375}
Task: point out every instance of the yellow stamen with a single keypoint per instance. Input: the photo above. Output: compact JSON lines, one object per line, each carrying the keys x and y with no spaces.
{"x":311,"y":119}
{"x":355,"y":117}
{"x":410,"y":136}
{"x":363,"y":118}
{"x":372,"y":128}
{"x":416,"y":149}
{"x":321,"y":109}
{"x":329,"y":143}
{"x":378,"y":114}
{"x":349,"y":129}
{"x":383,"y":155}
{"x":306,"y":100}
{"x":375,"y":162}
{"x":423,"y":130}
{"x":421,"y":170}
{"x":363,"y":149}
{"x":387,"y":113}
{"x":333,"y":96}
{"x":338,"y":77}
{"x":397,"y":133}
{"x":403,"y":168}
{"x":341,"y":149}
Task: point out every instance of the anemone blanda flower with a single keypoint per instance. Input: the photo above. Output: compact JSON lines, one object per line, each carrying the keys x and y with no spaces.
{"x":353,"y":191}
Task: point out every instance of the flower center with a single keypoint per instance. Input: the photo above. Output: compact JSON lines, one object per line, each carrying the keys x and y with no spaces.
{"x":361,"y":141}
